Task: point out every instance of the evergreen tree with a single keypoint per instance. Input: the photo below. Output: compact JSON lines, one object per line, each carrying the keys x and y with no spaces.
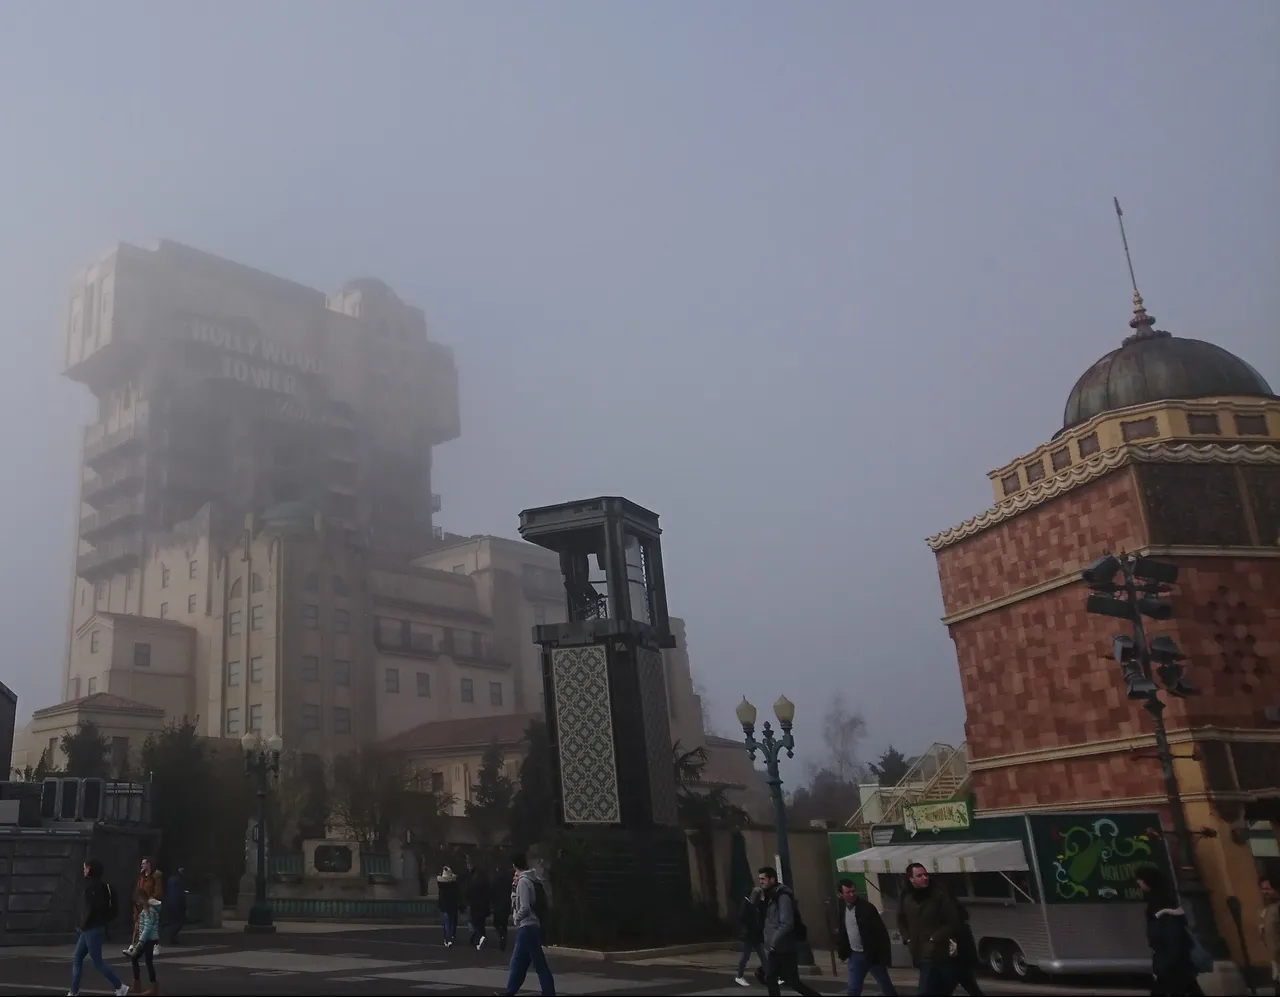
{"x":533,"y":810}
{"x":86,"y":751}
{"x":892,"y":767}
{"x":490,"y":806}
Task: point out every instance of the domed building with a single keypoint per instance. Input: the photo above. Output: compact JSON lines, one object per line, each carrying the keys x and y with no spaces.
{"x":1171,"y":447}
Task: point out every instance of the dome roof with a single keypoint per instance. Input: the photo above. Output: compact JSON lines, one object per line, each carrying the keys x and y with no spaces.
{"x":1153,"y":366}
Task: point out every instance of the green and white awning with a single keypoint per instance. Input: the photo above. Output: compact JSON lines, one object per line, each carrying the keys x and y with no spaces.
{"x":942,"y":857}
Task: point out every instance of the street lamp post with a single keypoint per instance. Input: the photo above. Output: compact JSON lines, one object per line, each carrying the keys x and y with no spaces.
{"x":1129,"y":587}
{"x":771,"y":747}
{"x":261,"y":763}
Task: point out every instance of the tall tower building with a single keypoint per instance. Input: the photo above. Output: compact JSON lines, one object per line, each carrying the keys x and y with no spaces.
{"x":222,"y":386}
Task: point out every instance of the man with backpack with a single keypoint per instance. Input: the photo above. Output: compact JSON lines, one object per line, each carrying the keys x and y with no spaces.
{"x":99,"y":908}
{"x":529,"y":913}
{"x":784,"y":930}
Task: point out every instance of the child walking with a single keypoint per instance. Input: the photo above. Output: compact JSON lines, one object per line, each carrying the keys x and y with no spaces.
{"x":148,"y":913}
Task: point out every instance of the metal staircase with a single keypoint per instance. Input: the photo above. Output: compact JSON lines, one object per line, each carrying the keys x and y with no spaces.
{"x":941,"y":773}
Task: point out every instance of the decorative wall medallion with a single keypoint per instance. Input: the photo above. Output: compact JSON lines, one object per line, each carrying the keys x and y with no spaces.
{"x":584,"y":731}
{"x":657,"y":735}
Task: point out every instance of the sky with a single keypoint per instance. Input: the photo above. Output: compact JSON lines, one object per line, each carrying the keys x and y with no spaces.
{"x":794,"y":276}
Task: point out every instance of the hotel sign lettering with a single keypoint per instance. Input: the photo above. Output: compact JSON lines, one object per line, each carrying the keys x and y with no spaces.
{"x":253,"y":360}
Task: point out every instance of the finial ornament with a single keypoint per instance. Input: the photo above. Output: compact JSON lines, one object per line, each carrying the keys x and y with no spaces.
{"x":1142,"y":324}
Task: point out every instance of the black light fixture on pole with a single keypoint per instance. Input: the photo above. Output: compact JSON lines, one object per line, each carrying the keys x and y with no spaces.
{"x":1130,"y":587}
{"x":261,"y":762}
{"x":771,"y":747}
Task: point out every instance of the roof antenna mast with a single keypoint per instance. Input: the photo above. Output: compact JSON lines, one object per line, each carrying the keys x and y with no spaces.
{"x":1142,"y":324}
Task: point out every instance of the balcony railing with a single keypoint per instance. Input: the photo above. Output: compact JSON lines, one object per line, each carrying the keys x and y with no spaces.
{"x":109,"y":557}
{"x":109,"y":518}
{"x":99,"y":442}
{"x":113,"y":481}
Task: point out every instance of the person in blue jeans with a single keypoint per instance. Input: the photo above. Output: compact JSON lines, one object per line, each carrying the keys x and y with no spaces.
{"x":527,"y":914}
{"x":449,"y":900}
{"x":862,"y":940}
{"x":97,"y":910}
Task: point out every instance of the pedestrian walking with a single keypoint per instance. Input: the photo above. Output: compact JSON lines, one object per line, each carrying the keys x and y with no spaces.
{"x":751,"y":931}
{"x":448,"y":901}
{"x":148,"y":942}
{"x":1270,"y":926}
{"x":529,"y":912}
{"x":966,"y":962}
{"x":175,"y":904}
{"x":98,"y":909}
{"x":1173,"y":972}
{"x":862,"y":941}
{"x":930,"y":923}
{"x":501,"y":897}
{"x":478,"y":906}
{"x":784,"y":930}
{"x":151,"y":883}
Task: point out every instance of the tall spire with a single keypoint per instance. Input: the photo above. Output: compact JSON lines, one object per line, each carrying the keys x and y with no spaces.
{"x":1142,"y":324}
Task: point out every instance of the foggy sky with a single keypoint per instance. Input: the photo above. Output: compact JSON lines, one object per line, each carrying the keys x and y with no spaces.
{"x":795,"y":276}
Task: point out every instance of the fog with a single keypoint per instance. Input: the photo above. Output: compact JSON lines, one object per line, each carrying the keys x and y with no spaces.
{"x":793,"y":276}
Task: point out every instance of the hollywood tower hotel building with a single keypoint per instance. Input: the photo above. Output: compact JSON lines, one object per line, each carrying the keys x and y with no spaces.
{"x":222,"y":391}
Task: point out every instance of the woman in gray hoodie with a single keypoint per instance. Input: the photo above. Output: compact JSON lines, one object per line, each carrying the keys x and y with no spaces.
{"x":528,"y":910}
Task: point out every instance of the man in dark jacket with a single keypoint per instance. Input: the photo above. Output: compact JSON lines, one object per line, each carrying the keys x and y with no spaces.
{"x":862,"y":940}
{"x":930,"y":923}
{"x":751,"y":929}
{"x":500,"y":896}
{"x":175,"y":904}
{"x":96,"y":912}
{"x":781,"y":936}
{"x":479,"y":903}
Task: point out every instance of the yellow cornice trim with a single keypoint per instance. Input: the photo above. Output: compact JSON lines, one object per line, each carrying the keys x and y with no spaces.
{"x":1073,"y":575}
{"x":1110,"y":746}
{"x":1097,"y":466}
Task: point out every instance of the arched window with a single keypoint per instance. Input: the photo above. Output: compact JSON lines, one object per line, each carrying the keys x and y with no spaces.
{"x":237,"y":588}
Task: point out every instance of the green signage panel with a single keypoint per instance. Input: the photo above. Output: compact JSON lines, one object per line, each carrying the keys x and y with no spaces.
{"x":844,"y":843}
{"x":1094,"y":857}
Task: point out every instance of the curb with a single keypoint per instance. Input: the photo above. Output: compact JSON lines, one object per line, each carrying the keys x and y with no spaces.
{"x":632,"y":955}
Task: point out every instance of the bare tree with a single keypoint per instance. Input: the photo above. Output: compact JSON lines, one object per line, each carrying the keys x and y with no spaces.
{"x":842,"y":729}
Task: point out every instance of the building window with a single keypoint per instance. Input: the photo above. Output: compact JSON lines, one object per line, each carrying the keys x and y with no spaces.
{"x":164,"y":610}
{"x":233,"y":720}
{"x":311,"y":583}
{"x":100,"y":593}
{"x":342,"y":672}
{"x":95,"y":641}
{"x":468,"y":691}
{"x":495,"y":693}
{"x":141,"y":655}
{"x":234,"y":622}
{"x":164,"y":576}
{"x":437,"y":782}
{"x":75,"y":688}
{"x":193,"y":569}
{"x":310,"y":668}
{"x":93,"y":686}
{"x":255,"y":668}
{"x":341,"y":621}
{"x":237,"y":588}
{"x":341,"y":720}
{"x":311,"y":617}
{"x":256,"y":615}
{"x":191,"y":604}
{"x":310,"y":716}
{"x":339,"y":585}
{"x":1203,"y":424}
{"x":393,"y":679}
{"x":256,"y":584}
{"x":424,"y":684}
{"x":233,"y":673}
{"x":1251,"y":425}
{"x":255,"y":718}
{"x":420,"y":638}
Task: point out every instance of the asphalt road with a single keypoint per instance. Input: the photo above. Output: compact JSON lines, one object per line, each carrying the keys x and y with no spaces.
{"x":380,"y":961}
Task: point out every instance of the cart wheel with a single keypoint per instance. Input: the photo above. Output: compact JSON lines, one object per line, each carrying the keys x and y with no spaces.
{"x":1018,"y":966}
{"x":997,"y":959}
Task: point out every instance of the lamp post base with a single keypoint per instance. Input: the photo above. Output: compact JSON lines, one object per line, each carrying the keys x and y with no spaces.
{"x":261,"y":921}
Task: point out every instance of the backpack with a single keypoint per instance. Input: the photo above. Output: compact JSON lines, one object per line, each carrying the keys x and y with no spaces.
{"x":112,"y":908}
{"x":540,"y":906}
{"x":799,"y":932}
{"x":1201,"y":960}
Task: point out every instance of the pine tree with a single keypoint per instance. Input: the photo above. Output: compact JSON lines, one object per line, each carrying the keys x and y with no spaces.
{"x":892,"y":767}
{"x":86,"y":751}
{"x":492,"y":796}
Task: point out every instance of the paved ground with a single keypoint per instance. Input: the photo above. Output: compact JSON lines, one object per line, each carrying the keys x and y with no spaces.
{"x":305,"y":960}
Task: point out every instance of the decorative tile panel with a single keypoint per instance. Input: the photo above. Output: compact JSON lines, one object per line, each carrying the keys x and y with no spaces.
{"x":584,"y":731}
{"x":657,"y":735}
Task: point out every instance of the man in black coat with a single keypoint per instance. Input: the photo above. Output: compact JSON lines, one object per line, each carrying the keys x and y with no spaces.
{"x":862,"y":940}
